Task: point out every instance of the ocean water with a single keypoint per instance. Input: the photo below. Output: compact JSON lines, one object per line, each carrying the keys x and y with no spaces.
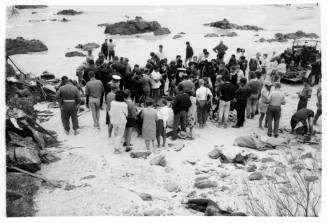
{"x":63,"y":37}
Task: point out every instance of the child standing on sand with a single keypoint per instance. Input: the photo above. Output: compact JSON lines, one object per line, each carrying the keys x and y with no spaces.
{"x":163,"y":115}
{"x":150,"y":117}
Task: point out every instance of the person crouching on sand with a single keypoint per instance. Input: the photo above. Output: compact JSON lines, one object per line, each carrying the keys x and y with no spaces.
{"x":150,"y":117}
{"x":118,"y":113}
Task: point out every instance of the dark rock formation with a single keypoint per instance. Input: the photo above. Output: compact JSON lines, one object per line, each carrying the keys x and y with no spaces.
{"x":64,"y":20}
{"x":75,"y":54}
{"x":211,"y":35}
{"x":10,"y":71}
{"x":225,"y":24}
{"x":87,"y":46}
{"x":161,"y":31}
{"x":30,"y":6}
{"x":279,"y":37}
{"x":23,"y":46}
{"x":136,"y":26}
{"x":229,"y":34}
{"x":177,"y":36}
{"x":69,"y":12}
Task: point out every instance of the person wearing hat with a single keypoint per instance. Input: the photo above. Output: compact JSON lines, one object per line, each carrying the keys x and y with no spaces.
{"x":69,"y":98}
{"x":241,"y":96}
{"x":276,"y":100}
{"x":264,"y":103}
{"x":189,"y":53}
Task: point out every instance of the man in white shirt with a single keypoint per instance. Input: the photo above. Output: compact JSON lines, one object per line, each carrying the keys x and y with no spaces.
{"x":155,"y":84}
{"x":202,"y":94}
{"x":161,"y":54}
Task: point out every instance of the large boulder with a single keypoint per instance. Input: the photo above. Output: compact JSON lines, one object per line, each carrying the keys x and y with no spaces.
{"x":225,"y":24}
{"x":161,"y":31}
{"x":69,"y":12}
{"x":30,"y":6}
{"x":136,"y":26}
{"x":75,"y":54}
{"x":27,"y":158}
{"x":24,"y":46}
{"x":87,"y":46}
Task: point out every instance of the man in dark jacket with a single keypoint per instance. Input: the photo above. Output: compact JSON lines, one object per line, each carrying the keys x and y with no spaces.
{"x":91,"y":67}
{"x":104,"y":48}
{"x":180,"y":107}
{"x":69,"y":98}
{"x":227,"y":92}
{"x":189,"y":53}
{"x":255,"y":87}
{"x":241,"y":96}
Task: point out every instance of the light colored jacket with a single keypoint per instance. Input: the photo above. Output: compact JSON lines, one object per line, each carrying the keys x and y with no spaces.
{"x":118,"y":113}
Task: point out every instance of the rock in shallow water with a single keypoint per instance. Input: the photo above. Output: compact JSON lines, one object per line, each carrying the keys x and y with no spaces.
{"x":69,"y":12}
{"x":87,"y":46}
{"x":211,"y":35}
{"x":75,"y":54}
{"x":23,"y":46}
{"x":225,"y":24}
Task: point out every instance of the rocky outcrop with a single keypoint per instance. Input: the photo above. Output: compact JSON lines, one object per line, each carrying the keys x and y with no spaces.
{"x":225,"y":24}
{"x":87,"y":46}
{"x":161,"y":31}
{"x":136,"y":26}
{"x":279,"y":37}
{"x":211,"y":35}
{"x":23,"y":46}
{"x":75,"y":54}
{"x":229,"y":34}
{"x":30,"y":6}
{"x":177,"y":36}
{"x":69,"y":12}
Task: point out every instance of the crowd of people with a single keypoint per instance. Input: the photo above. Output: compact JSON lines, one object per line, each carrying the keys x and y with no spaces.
{"x":182,"y":95}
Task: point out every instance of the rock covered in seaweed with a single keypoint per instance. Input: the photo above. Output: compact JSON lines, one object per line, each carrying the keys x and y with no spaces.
{"x":136,"y":26}
{"x":23,"y":46}
{"x":280,"y":37}
{"x":69,"y":12}
{"x":225,"y":24}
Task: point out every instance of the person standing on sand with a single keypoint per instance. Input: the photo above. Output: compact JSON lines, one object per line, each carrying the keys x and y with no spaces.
{"x":146,"y":86}
{"x":227,"y":94}
{"x":109,"y":98}
{"x":241,"y":96}
{"x":131,"y":120}
{"x":150,"y":117}
{"x":189,"y":54}
{"x":255,"y":87}
{"x":220,"y":49}
{"x":111,"y":50}
{"x":202,"y":95}
{"x":155,"y":85}
{"x":104,"y":48}
{"x":163,"y":115}
{"x":118,"y":113}
{"x":161,"y":55}
{"x":69,"y":97}
{"x":276,"y":100}
{"x":264,"y":103}
{"x":180,"y":107}
{"x":319,"y":105}
{"x":93,"y":91}
{"x":304,"y":95}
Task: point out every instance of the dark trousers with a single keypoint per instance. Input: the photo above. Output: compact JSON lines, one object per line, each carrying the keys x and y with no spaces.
{"x":156,"y":96}
{"x":274,"y":113}
{"x":240,"y":109}
{"x":101,"y":99}
{"x":179,"y":119}
{"x":111,"y":54}
{"x":136,"y":96}
{"x":318,"y":113}
{"x":69,"y":110}
{"x":202,"y":111}
{"x":303,"y":102}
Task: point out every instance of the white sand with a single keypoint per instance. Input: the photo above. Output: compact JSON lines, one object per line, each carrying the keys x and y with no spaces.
{"x":90,"y":154}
